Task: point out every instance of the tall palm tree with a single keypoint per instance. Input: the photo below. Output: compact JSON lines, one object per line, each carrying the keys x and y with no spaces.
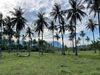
{"x":75,"y":13}
{"x":52,"y":27}
{"x":8,"y":30}
{"x":1,"y":25}
{"x":41,"y":23}
{"x":91,"y":25}
{"x":71,"y":29}
{"x":58,"y":15}
{"x":94,"y":5}
{"x":18,"y":20}
{"x":82,"y":34}
{"x":62,"y":31}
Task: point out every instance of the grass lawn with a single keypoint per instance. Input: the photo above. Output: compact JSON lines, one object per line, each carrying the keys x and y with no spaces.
{"x":87,"y":63}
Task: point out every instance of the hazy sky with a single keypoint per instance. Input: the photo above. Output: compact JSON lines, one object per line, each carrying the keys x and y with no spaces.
{"x":31,"y":7}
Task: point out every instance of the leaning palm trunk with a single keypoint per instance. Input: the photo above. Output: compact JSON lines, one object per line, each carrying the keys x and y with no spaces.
{"x":63,"y":50}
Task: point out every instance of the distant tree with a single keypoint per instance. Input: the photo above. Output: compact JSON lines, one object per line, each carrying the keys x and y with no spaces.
{"x":87,"y":39}
{"x":29,"y":33}
{"x":57,"y":37}
{"x":78,"y":40}
{"x":91,"y":25}
{"x":52,"y":27}
{"x":82,"y":34}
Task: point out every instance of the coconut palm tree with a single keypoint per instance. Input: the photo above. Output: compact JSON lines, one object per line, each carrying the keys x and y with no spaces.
{"x":75,"y":13}
{"x":91,"y":25}
{"x":58,"y":15}
{"x":62,"y":29}
{"x":79,"y":39}
{"x":29,"y":33}
{"x":94,"y":6}
{"x":82,"y":34}
{"x":87,"y":39}
{"x":52,"y":27}
{"x":71,"y":29}
{"x":41,"y":23}
{"x":18,"y":20}
{"x":8,"y":30}
{"x":1,"y":25}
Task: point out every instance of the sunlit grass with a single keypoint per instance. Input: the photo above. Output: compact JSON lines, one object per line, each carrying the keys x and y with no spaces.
{"x":87,"y":63}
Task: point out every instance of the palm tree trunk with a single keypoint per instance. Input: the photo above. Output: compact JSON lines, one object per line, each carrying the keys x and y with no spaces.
{"x":63,"y":50}
{"x":76,"y":53}
{"x":30,"y":46}
{"x":53,"y":37}
{"x":17,"y":45}
{"x":41,"y":46}
{"x":42,"y":35}
{"x":93,"y":36}
{"x":9,"y":43}
{"x":18,"y":42}
{"x":73,"y":45}
{"x":99,"y":23}
{"x":94,"y":41}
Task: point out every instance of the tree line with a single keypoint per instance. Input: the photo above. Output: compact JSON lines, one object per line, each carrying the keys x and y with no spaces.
{"x":62,"y":20}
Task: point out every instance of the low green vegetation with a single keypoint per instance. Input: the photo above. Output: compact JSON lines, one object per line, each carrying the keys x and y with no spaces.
{"x":86,"y":63}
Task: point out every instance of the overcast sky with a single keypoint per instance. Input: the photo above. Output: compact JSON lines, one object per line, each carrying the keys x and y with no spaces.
{"x":31,"y":7}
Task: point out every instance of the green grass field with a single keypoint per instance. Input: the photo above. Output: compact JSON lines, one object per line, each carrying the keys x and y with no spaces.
{"x":87,"y":63}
